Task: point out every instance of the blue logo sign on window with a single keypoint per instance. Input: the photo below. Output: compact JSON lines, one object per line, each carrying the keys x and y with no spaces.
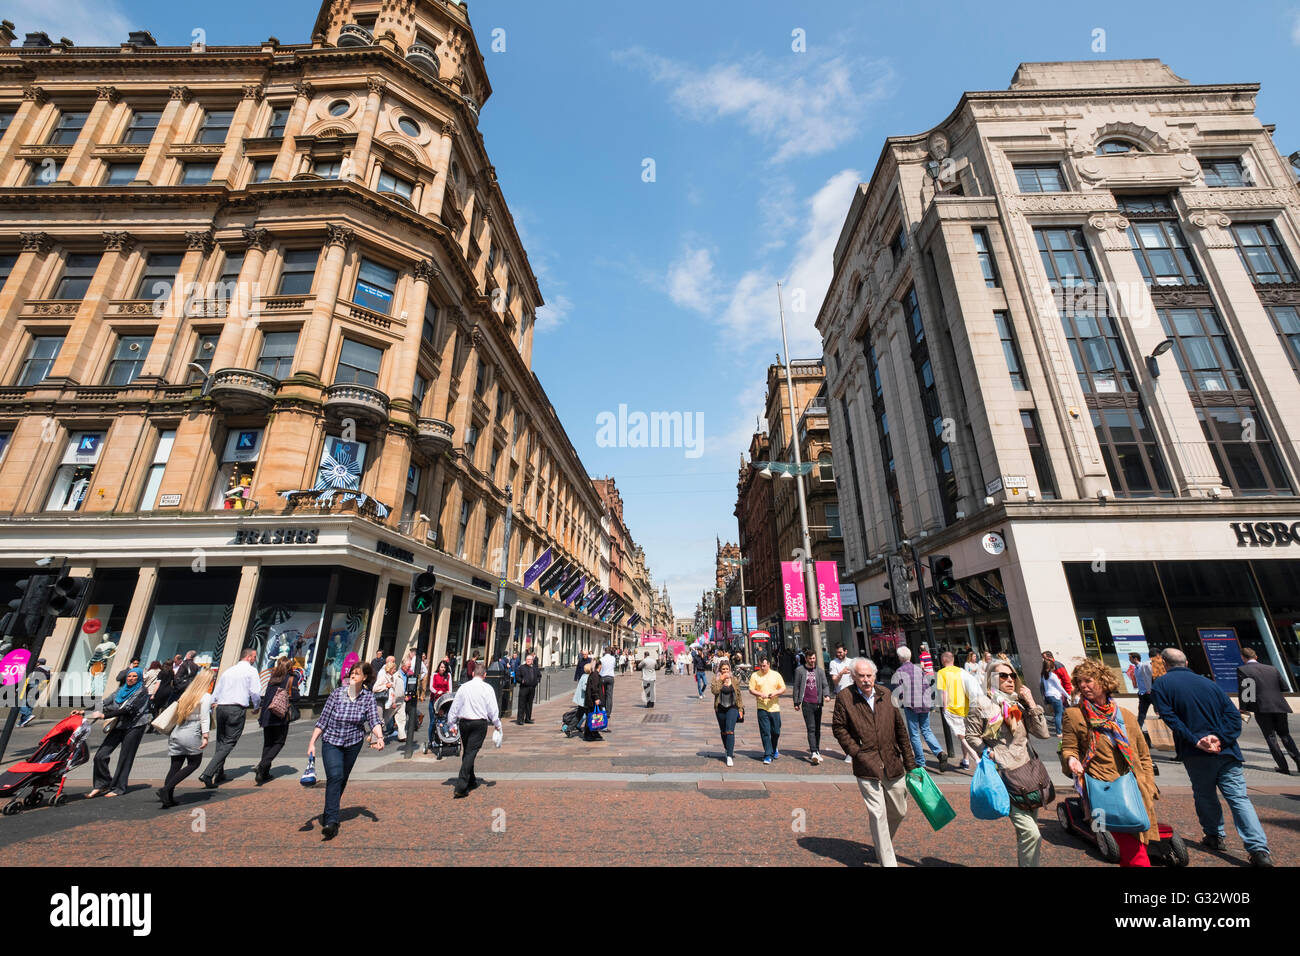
{"x":89,"y":444}
{"x":246,"y":441}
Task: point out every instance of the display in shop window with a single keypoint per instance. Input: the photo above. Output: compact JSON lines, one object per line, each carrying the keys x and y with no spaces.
{"x":281,"y":630}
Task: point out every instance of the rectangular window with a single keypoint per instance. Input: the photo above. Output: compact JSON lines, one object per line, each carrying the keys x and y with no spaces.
{"x":197,"y":174}
{"x":1038,"y":455}
{"x":897,"y":246}
{"x":985,"y":253}
{"x":1162,"y":253}
{"x":411,"y":499}
{"x":1010,"y":351}
{"x":342,"y":463}
{"x":1286,"y":319}
{"x":833,"y":521}
{"x":390,"y":183}
{"x":78,"y":270}
{"x":276,"y":357}
{"x":72,"y":480}
{"x":262,"y":170}
{"x":1201,"y":347}
{"x":45,"y":172}
{"x":1247,"y":459}
{"x":492,"y":464}
{"x":912,"y":311}
{"x":1040,"y":178}
{"x":159,"y":273}
{"x":4,"y":443}
{"x":429,"y":331}
{"x":327,"y":168}
{"x":481,"y":379}
{"x":298,"y":270}
{"x":462,"y":526}
{"x":418,"y":392}
{"x":7,"y":263}
{"x":279,"y":119}
{"x":1262,"y":254}
{"x":358,"y":364}
{"x":153,"y":481}
{"x":142,"y":127}
{"x":1223,"y":172}
{"x":128,"y":359}
{"x":471,"y":442}
{"x":487,"y":540}
{"x":231,"y":267}
{"x":215,"y":127}
{"x":68,"y":128}
{"x":40,"y":359}
{"x":234,"y":485}
{"x":121,"y":174}
{"x":204,"y":349}
{"x":6,"y":119}
{"x":375,"y":285}
{"x":1132,"y":457}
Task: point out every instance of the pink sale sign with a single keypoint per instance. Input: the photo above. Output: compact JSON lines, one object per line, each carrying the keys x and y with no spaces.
{"x":14,"y":666}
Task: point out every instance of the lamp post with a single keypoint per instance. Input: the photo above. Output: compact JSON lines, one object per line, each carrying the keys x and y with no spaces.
{"x":810,"y":580}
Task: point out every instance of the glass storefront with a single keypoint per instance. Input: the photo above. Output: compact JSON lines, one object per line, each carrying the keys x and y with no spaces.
{"x":97,"y":635}
{"x":1177,"y":603}
{"x":461,"y":609}
{"x":191,"y":612}
{"x":349,"y":623}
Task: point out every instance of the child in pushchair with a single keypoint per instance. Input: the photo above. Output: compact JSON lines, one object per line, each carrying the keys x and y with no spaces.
{"x":60,"y":751}
{"x":446,"y":739}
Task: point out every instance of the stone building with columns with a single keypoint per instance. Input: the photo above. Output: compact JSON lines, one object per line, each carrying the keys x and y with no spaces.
{"x":266,"y":330}
{"x":1063,"y":349}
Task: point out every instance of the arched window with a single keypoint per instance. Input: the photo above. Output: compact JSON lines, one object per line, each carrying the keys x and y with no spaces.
{"x":1110,"y":147}
{"x":825,"y":467}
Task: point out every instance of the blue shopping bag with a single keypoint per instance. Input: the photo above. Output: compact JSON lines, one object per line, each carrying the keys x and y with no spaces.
{"x":989,"y":799}
{"x":1117,"y":805}
{"x":598,"y":719}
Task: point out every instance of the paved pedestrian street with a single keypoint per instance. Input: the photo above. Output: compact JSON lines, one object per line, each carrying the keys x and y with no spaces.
{"x":654,"y":792}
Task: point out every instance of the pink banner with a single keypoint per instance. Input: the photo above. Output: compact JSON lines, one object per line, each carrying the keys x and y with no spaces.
{"x":796,"y":600}
{"x":828,"y":590}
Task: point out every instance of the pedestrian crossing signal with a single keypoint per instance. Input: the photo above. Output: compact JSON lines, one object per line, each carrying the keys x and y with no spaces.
{"x":941,"y":573}
{"x":422,"y":585}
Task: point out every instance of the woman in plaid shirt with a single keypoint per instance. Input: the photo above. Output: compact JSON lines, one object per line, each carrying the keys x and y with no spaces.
{"x":349,"y":714}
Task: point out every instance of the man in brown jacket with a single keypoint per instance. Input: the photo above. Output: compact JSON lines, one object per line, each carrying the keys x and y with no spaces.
{"x":872,"y":731}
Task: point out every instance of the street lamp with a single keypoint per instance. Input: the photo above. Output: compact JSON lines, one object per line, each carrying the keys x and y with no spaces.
{"x":1152,"y":365}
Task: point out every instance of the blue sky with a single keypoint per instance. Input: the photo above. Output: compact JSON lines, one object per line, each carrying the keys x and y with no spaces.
{"x":661,"y":294}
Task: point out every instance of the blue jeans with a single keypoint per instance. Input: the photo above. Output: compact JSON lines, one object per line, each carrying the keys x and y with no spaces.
{"x":769,"y":729}
{"x":1058,"y":714}
{"x":1225,"y":772}
{"x":918,"y":726}
{"x":700,"y":682}
{"x":431,"y":702}
{"x":338,"y":763}
{"x":727,"y":727}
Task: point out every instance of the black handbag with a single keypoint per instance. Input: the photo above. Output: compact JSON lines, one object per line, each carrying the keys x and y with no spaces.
{"x":1029,"y":786}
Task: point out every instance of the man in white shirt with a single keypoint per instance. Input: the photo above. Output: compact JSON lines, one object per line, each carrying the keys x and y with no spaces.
{"x":647,"y":666}
{"x":841,"y":670}
{"x":607,"y":680}
{"x":473,"y":709}
{"x":238,"y":688}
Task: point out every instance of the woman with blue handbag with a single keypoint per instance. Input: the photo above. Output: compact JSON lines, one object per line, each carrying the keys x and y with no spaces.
{"x":1103,"y":748}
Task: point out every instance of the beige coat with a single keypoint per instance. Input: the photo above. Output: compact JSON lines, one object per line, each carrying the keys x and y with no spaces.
{"x":1105,"y":763}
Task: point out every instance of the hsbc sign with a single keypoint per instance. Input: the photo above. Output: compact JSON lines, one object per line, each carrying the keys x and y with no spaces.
{"x":1266,"y":534}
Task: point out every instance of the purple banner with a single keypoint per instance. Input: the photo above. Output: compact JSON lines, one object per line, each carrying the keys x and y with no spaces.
{"x":541,"y":564}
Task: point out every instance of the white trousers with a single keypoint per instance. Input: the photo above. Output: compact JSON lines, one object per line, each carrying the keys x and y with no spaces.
{"x":886,"y":802}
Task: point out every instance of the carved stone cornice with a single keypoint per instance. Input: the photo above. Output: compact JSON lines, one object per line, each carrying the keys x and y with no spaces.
{"x":1110,"y":229}
{"x":200,"y":239}
{"x":1247,"y":197}
{"x":181,"y":93}
{"x":35,"y":94}
{"x":258,"y":239}
{"x":336,"y":235}
{"x":118,"y":241}
{"x":1064,"y":202}
{"x":109,"y":93}
{"x":376,"y":84}
{"x":254,"y":92}
{"x":304,"y":89}
{"x":35,"y":241}
{"x":425,"y":271}
{"x":1213,"y":226}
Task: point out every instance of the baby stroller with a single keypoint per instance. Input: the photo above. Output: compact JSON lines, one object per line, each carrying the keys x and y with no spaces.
{"x":446,"y":738}
{"x":571,"y":721}
{"x":1075,"y":817}
{"x":60,"y":751}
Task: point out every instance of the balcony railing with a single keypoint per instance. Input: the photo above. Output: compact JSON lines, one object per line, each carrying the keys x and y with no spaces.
{"x":422,"y":57}
{"x":241,"y":390}
{"x":354,"y":34}
{"x":357,"y":401}
{"x":434,"y":436}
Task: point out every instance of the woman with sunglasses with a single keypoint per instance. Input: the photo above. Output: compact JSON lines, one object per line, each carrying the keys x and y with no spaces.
{"x":727,"y":708}
{"x":1001,"y":723}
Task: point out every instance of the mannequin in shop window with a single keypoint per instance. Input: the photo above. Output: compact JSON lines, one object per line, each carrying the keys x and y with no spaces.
{"x":241,"y":488}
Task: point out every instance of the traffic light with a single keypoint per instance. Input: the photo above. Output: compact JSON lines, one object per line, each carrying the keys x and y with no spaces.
{"x":941,"y":572}
{"x":26,"y":612}
{"x":422,"y":585}
{"x":66,"y":595}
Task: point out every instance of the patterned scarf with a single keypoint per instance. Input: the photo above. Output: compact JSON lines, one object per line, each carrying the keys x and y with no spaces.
{"x":1008,"y":710}
{"x":1105,"y":720}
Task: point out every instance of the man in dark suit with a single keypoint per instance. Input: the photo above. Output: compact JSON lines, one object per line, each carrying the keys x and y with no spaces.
{"x":1261,"y":694}
{"x":529,"y":677}
{"x":184,"y":673}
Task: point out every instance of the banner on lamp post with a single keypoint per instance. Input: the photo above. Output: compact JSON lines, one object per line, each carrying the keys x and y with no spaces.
{"x":828,"y":591}
{"x":796,"y":599}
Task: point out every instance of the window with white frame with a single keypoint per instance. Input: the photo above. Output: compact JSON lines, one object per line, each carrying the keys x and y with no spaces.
{"x":153,"y":481}
{"x":40,"y":359}
{"x":234,"y":484}
{"x":72,"y":479}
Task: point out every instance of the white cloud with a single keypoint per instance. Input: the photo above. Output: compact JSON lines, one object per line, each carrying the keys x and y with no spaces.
{"x":85,"y":22}
{"x":552,"y":315}
{"x":691,"y":281}
{"x":798,"y":106}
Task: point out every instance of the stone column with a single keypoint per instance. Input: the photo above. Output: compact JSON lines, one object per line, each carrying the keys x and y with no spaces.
{"x":1261,"y":353}
{"x":374,"y":631}
{"x":316,"y":330}
{"x":35,"y":246}
{"x":249,"y":576}
{"x":244,"y":306}
{"x":366,"y":130}
{"x":281,"y":170}
{"x":198,"y":244}
{"x":401,"y":383}
{"x":26,"y":121}
{"x":432,"y":204}
{"x":1169,"y":410}
{"x":75,"y":356}
{"x":441,"y":628}
{"x":89,"y":138}
{"x":154,"y":158}
{"x":239,"y":124}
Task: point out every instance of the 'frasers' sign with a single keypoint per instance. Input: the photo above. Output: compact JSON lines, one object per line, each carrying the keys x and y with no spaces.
{"x":796,"y":599}
{"x":828,"y":590}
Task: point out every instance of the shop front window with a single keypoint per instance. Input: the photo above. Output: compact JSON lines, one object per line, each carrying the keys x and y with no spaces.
{"x":461,"y":610}
{"x":98,"y":633}
{"x":191,"y":612}
{"x":349,"y":623}
{"x":233,"y":489}
{"x":287,"y":618}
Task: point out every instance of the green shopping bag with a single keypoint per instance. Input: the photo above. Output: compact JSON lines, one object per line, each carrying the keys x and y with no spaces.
{"x":927,"y":796}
